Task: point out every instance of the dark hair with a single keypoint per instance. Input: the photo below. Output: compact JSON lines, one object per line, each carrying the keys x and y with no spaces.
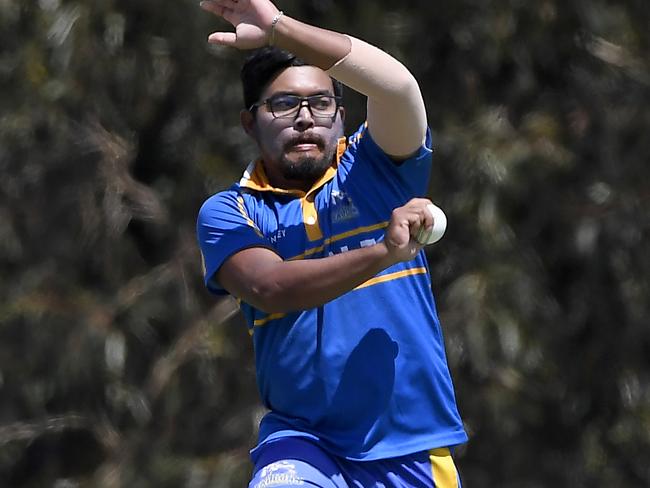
{"x":263,"y":65}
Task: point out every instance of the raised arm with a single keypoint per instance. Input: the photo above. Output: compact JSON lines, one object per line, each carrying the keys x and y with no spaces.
{"x":396,"y":113}
{"x":396,"y":116}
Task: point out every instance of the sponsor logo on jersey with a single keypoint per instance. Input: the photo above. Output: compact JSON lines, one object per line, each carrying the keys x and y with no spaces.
{"x":279,"y":473}
{"x":343,"y":207}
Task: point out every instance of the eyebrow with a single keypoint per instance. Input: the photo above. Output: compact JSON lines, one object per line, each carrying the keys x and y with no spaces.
{"x":291,"y":93}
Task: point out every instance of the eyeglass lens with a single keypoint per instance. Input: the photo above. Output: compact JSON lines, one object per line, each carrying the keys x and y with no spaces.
{"x":288,"y":105}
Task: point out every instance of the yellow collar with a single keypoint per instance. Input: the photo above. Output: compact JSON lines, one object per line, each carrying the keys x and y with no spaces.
{"x":255,"y":178}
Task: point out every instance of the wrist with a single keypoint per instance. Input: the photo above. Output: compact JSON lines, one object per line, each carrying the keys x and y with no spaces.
{"x":274,"y":26}
{"x":385,"y":258}
{"x":316,"y":46}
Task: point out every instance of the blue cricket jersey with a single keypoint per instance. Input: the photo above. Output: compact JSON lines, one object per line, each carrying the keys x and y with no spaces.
{"x":364,"y":375}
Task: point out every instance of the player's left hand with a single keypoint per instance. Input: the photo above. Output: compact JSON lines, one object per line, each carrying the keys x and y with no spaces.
{"x":251,"y":18}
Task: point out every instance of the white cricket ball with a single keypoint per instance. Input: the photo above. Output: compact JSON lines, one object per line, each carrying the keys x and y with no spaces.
{"x":433,"y":234}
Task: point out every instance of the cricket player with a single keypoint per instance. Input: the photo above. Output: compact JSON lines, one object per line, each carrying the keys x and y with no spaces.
{"x":318,"y":242}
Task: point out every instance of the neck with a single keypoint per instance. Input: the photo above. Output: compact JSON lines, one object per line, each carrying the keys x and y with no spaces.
{"x":279,"y":180}
{"x":286,"y":184}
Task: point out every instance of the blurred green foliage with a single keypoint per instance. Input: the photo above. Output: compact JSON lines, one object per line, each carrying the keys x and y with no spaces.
{"x":117,"y":369}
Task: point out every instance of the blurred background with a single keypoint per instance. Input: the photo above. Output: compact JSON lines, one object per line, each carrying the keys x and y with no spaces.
{"x":117,"y":368}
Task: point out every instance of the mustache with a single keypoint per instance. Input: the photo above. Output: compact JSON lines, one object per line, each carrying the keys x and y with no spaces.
{"x":305,"y":139}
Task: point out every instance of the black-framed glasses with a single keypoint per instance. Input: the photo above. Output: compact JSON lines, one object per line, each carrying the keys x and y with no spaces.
{"x":284,"y":106}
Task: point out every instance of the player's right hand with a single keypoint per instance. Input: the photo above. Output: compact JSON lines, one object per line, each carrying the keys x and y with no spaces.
{"x":251,"y":18}
{"x":405,"y":222}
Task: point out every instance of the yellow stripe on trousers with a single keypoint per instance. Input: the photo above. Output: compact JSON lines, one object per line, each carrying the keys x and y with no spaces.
{"x":443,"y":468}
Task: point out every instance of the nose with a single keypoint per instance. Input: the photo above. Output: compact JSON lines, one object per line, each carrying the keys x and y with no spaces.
{"x":304,"y":119}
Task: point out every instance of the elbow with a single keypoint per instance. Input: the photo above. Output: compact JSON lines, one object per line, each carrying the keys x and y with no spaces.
{"x":411,"y":99}
{"x":399,"y":124}
{"x":405,"y":86}
{"x":270,"y":297}
{"x":401,"y":100}
{"x":400,"y":87}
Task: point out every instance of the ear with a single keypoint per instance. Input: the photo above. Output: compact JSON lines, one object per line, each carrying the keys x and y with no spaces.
{"x":247,"y":120}
{"x":340,"y":121}
{"x":342,"y":113}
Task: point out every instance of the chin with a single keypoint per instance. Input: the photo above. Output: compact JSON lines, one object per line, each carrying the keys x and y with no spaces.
{"x":305,"y":168}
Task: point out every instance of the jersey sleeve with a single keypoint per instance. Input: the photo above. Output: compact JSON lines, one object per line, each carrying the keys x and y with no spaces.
{"x":223,"y":229}
{"x":412,"y":173}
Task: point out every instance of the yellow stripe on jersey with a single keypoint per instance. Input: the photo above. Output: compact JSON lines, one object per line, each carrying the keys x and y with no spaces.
{"x":338,"y":237}
{"x":256,"y":179}
{"x":310,"y":218}
{"x":359,"y":135}
{"x":374,"y":281}
{"x":354,"y":232}
{"x":268,"y":318}
{"x":391,"y":276}
{"x":443,"y":468}
{"x":242,"y":210}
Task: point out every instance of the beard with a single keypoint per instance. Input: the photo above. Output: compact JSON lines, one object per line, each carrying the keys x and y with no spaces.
{"x":307,"y":168}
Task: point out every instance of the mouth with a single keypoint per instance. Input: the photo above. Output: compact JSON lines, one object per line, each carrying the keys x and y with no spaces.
{"x":304,"y":144}
{"x":304,"y":147}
